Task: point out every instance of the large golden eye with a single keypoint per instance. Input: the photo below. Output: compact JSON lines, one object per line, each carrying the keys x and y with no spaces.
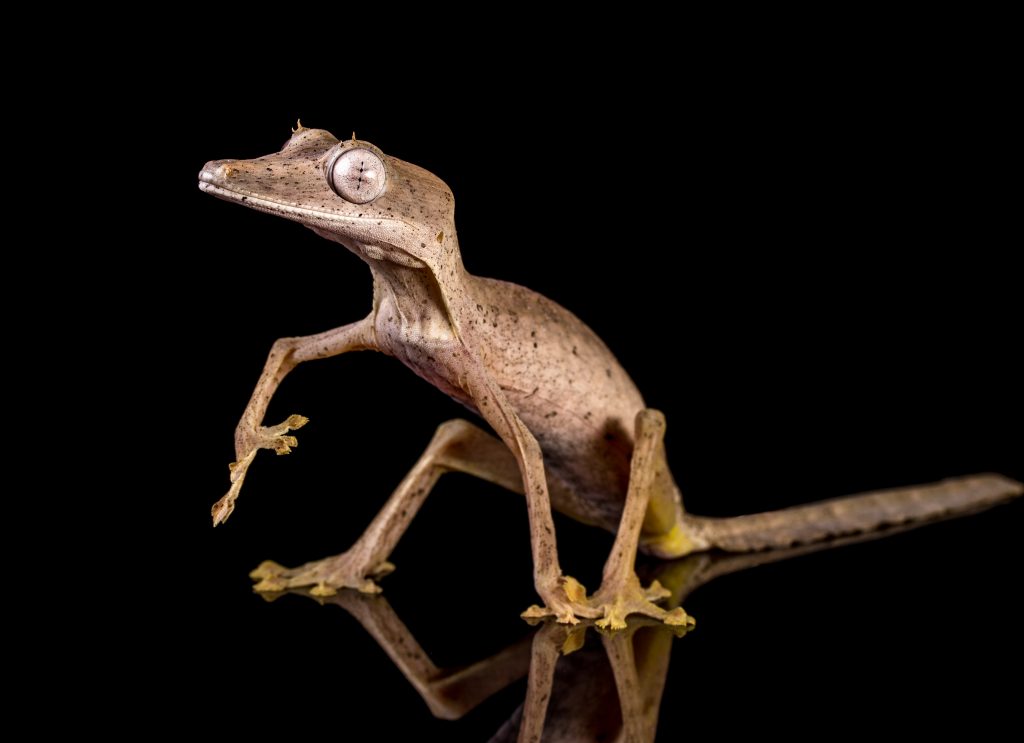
{"x":357,"y":175}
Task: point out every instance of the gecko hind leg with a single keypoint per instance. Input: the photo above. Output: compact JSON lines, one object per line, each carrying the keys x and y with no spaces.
{"x":457,"y":446}
{"x":620,"y":593}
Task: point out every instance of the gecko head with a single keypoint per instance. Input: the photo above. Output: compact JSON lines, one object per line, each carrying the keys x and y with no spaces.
{"x":378,"y":206}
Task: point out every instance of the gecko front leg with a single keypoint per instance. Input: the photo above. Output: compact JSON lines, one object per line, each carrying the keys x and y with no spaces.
{"x":287,"y":353}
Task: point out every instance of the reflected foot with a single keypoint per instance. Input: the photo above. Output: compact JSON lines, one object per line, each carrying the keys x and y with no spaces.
{"x":323,"y":577}
{"x":609,"y":606}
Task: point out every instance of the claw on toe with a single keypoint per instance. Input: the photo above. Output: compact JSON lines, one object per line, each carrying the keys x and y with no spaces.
{"x":322,"y":589}
{"x":222,"y":509}
{"x":296,"y":421}
{"x":614,"y":618}
{"x":267,"y":569}
{"x":368,"y":586}
{"x":656,"y":592}
{"x":284,"y":444}
{"x":536,"y":613}
{"x":272,"y":584}
{"x":679,"y":618}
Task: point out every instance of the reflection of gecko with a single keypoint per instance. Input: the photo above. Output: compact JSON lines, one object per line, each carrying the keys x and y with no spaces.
{"x":572,"y":430}
{"x":611,"y":690}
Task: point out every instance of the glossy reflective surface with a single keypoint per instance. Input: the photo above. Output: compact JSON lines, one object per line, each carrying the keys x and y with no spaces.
{"x":830,"y":635}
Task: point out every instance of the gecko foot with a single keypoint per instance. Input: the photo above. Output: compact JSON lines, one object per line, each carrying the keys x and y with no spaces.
{"x":620,"y":599}
{"x":265,"y":437}
{"x":609,"y":606}
{"x":325,"y":577}
{"x":268,"y":437}
{"x":566,"y":601}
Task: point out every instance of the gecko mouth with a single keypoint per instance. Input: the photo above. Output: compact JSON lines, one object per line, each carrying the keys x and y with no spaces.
{"x":211,"y":181}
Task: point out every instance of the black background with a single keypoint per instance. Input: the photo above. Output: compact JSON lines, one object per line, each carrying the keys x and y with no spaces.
{"x":814,"y":286}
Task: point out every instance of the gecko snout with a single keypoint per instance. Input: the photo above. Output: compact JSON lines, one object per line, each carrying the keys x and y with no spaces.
{"x":217,"y":171}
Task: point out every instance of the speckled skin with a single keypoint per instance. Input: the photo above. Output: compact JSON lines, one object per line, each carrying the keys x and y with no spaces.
{"x":544,"y":382}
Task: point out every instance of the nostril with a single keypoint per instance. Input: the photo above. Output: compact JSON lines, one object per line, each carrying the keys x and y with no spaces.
{"x":224,"y":168}
{"x":218,"y":170}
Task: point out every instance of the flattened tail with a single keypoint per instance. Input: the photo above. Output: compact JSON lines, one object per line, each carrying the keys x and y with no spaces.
{"x":854,"y":514}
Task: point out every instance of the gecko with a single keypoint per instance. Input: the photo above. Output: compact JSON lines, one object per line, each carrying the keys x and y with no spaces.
{"x":565,"y":426}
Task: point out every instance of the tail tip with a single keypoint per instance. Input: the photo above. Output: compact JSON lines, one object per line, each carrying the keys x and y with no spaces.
{"x":998,"y":483}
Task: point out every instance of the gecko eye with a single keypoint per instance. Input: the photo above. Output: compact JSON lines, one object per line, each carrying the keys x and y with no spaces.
{"x":357,"y":175}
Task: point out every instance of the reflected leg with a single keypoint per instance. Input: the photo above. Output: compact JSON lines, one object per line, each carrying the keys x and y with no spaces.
{"x":636,"y":725}
{"x":449,"y":692}
{"x":551,"y":641}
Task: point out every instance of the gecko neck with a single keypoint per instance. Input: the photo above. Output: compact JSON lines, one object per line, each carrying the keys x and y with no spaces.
{"x":417,"y":295}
